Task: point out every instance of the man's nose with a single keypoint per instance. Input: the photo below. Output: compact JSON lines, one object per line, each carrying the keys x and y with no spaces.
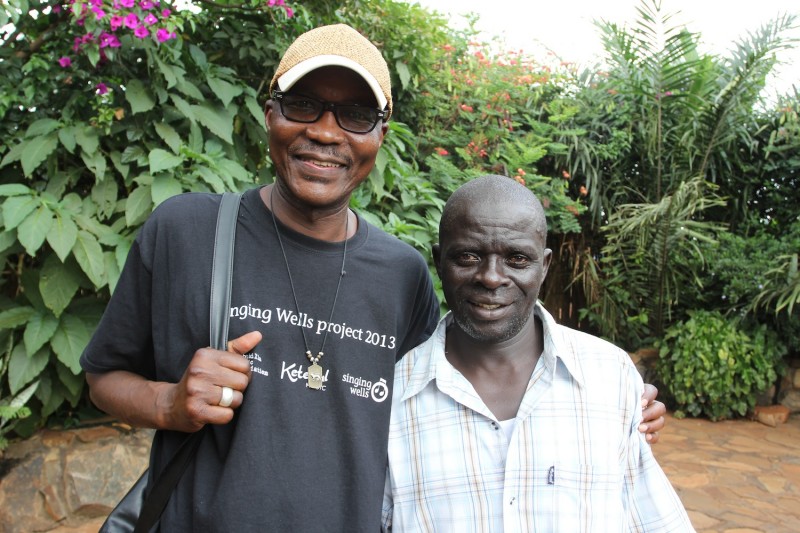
{"x":491,"y":273}
{"x":326,"y":129}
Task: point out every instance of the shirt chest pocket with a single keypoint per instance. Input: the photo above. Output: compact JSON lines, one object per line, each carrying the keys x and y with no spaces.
{"x":586,"y":498}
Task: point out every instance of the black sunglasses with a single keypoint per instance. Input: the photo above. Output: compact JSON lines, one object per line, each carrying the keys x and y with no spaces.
{"x":350,"y":117}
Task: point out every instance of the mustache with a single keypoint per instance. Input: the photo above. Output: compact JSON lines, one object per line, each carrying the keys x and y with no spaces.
{"x":330,"y":151}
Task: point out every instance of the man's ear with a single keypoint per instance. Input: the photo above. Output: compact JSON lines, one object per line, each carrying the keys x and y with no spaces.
{"x":548,"y":255}
{"x":267,"y":113}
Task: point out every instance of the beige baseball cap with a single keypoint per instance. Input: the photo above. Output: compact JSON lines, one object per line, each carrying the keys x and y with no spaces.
{"x":337,"y":45}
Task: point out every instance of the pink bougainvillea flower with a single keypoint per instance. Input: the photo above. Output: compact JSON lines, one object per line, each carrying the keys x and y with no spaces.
{"x":289,"y":12}
{"x":115,"y":22}
{"x":77,"y":44}
{"x":65,"y":62}
{"x":165,"y":13}
{"x":163,"y":35}
{"x":271,"y":3}
{"x":146,"y":4}
{"x":141,"y":32}
{"x":150,"y":19}
{"x":102,"y":88}
{"x":127,"y":3}
{"x":98,"y":13}
{"x":110,"y":40}
{"x":131,"y":21}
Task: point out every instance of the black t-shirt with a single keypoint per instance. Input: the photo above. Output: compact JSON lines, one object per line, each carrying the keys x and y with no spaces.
{"x":293,"y":459}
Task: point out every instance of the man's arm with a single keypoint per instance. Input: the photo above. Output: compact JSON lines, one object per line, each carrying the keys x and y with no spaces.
{"x":184,"y":406}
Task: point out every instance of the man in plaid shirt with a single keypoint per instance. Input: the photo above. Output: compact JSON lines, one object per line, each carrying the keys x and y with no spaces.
{"x":504,"y":421}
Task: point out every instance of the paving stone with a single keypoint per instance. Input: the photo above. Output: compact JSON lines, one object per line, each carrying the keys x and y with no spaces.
{"x":702,"y":520}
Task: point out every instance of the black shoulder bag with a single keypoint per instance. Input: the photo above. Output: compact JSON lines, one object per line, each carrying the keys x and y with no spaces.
{"x":135,"y":513}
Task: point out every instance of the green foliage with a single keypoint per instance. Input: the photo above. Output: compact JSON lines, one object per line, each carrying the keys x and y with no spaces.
{"x":618,"y":158}
{"x":651,"y":255}
{"x":713,"y":368}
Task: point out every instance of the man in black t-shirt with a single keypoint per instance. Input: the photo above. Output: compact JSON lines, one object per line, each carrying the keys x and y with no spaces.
{"x":322,"y":305}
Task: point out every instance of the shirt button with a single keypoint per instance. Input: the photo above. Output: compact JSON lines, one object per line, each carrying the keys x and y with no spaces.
{"x":495,"y":425}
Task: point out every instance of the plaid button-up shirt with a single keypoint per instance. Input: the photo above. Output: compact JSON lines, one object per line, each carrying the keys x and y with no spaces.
{"x":575,"y":461}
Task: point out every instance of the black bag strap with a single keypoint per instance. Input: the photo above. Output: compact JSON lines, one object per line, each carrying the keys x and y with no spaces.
{"x":219,"y":304}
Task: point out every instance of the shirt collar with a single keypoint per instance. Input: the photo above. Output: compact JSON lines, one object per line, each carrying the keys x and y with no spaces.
{"x":429,"y":360}
{"x":558,"y":346}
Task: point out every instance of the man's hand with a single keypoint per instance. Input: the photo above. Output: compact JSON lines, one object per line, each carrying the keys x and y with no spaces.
{"x":184,"y":406}
{"x":194,"y":401}
{"x":653,"y":413}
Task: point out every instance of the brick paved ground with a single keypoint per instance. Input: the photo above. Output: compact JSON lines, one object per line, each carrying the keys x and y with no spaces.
{"x":735,"y":476}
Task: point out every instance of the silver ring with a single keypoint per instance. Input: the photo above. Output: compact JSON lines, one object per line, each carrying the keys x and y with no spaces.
{"x":227,"y":397}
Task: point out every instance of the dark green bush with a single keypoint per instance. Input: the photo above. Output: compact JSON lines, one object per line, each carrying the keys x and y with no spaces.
{"x":711,"y":367}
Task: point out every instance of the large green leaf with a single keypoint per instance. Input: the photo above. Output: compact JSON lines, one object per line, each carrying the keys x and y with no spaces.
{"x":15,"y":316}
{"x":67,"y":137}
{"x":23,"y":369}
{"x":39,"y":330}
{"x":224,"y":90}
{"x":96,"y":163}
{"x":138,"y":97}
{"x":185,"y":108}
{"x":69,"y":341}
{"x":73,"y":381}
{"x":217,"y":120}
{"x":62,"y":235}
{"x":87,"y":139}
{"x":33,"y":230}
{"x":403,"y":72}
{"x":43,"y":126}
{"x":16,"y":209}
{"x":169,"y":135}
{"x":36,"y":151}
{"x":138,"y":205}
{"x":162,"y":160}
{"x":89,"y":255}
{"x":104,"y":194}
{"x":233,"y":169}
{"x":14,"y":154}
{"x":112,"y":270}
{"x":164,"y":187}
{"x":14,"y":189}
{"x":255,"y":110}
{"x":58,"y":283}
{"x":211,"y":178}
{"x":7,"y":239}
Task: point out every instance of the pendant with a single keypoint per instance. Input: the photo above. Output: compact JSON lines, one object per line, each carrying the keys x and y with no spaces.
{"x":314,"y":377}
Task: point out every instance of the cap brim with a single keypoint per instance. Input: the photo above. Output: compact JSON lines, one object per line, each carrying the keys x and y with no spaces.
{"x":291,"y":76}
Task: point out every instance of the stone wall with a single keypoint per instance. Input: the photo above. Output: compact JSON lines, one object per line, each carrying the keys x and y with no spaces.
{"x":68,"y":481}
{"x":789,"y":388}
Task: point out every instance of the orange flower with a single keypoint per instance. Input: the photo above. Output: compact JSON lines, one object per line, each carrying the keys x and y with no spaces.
{"x":520,"y":180}
{"x":565,"y":175}
{"x":441,"y":151}
{"x":583,"y":191}
{"x":465,"y":107}
{"x":572,"y":209}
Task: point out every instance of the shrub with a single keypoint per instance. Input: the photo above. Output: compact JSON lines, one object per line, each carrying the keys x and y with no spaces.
{"x":713,"y":368}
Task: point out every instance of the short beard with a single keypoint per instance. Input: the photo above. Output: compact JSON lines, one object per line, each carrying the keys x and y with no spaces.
{"x":513,"y":327}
